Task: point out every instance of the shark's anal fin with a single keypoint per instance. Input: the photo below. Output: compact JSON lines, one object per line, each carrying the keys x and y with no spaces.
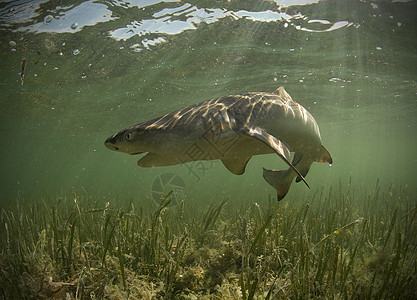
{"x":279,"y":147}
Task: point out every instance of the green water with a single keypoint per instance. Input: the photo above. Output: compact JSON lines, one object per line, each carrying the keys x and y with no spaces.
{"x":95,"y":67}
{"x":78,"y":221}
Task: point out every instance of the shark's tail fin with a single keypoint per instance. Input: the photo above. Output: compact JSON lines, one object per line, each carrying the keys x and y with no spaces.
{"x":280,"y":180}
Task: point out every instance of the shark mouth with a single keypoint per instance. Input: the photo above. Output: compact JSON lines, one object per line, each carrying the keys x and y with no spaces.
{"x":136,"y":153}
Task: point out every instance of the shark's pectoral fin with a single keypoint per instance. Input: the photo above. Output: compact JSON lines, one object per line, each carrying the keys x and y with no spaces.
{"x":236,"y":164}
{"x":158,"y":160}
{"x":279,"y":147}
{"x":324,"y":156}
{"x":149,"y":160}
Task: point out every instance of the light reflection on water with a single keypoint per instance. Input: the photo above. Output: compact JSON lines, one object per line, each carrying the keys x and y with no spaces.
{"x":72,"y":18}
{"x":166,"y":21}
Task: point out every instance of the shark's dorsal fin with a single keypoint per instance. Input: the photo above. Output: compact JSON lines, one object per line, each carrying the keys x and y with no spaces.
{"x":279,"y":147}
{"x":282,"y":93}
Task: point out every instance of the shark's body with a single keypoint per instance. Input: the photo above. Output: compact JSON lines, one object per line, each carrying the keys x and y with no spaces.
{"x":233,"y":129}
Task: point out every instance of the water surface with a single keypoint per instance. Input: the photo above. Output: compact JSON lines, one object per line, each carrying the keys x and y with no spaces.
{"x":94,"y":67}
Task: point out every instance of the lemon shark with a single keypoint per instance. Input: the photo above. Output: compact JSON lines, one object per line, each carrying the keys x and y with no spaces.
{"x":232,"y":129}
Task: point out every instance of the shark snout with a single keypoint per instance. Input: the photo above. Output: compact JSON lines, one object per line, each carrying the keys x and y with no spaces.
{"x":114,"y":143}
{"x":111,"y":144}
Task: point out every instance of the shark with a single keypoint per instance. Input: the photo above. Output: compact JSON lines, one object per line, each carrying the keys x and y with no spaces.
{"x":232,"y":129}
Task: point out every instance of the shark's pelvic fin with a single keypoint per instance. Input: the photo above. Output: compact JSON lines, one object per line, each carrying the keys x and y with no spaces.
{"x":279,"y":147}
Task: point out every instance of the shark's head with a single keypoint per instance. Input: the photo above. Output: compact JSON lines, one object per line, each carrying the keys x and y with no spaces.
{"x":131,"y":140}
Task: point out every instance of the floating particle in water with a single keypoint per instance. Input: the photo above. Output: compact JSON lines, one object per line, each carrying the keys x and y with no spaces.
{"x":48,"y":19}
{"x":12,"y":43}
{"x":76,"y":52}
{"x":22,"y":72}
{"x":60,"y":53}
{"x":74,"y":25}
{"x":378,"y":48}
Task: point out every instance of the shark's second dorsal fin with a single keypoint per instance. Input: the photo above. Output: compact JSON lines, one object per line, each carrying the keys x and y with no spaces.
{"x":279,"y":147}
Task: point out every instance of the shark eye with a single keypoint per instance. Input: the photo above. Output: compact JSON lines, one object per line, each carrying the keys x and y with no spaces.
{"x":128,"y":136}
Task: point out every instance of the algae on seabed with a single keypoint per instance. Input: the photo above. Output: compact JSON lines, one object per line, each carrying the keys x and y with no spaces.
{"x":337,"y":244}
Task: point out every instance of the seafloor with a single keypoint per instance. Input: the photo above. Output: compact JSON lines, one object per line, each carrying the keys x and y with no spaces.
{"x":339,"y":243}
